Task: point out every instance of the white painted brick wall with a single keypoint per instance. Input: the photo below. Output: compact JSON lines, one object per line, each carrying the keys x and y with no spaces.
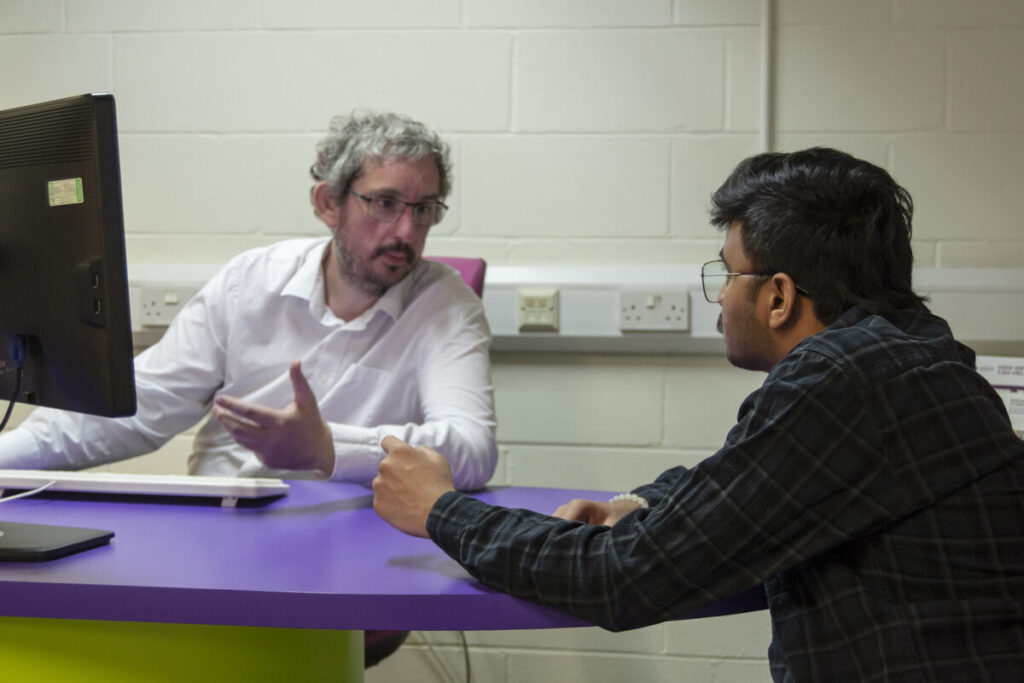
{"x":985,"y":81}
{"x":370,"y":15}
{"x":961,"y":185}
{"x":621,"y":80}
{"x":27,"y":16}
{"x":585,"y":132}
{"x":704,"y":13}
{"x":547,"y":186}
{"x":837,"y":78}
{"x":45,"y":66}
{"x":567,"y":13}
{"x":702,"y":396}
{"x":958,"y":13}
{"x":217,"y":184}
{"x":295,"y":80}
{"x":570,"y":401}
{"x":183,"y":15}
{"x":865,"y":12}
{"x":742,"y":80}
{"x":699,"y":164}
{"x":589,"y":251}
{"x":594,"y":467}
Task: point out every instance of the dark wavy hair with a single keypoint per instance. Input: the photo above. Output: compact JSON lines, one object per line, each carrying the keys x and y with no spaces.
{"x":838,"y":225}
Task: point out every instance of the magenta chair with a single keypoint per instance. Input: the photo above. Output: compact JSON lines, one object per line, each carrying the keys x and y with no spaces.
{"x":472,"y":270}
{"x":379,"y":644}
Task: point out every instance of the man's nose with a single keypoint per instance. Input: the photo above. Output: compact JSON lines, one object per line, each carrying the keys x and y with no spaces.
{"x":405,"y":226}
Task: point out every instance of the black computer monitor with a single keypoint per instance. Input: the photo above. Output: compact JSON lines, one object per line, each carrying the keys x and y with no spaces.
{"x":63,"y":283}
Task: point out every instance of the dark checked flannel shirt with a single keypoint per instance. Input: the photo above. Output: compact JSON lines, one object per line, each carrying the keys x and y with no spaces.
{"x":872,"y":484}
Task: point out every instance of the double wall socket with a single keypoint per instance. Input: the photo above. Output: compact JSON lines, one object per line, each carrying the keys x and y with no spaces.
{"x":648,"y":310}
{"x":159,"y":305}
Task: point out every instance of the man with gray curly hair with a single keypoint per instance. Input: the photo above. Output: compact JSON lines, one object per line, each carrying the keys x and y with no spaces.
{"x":310,"y":351}
{"x":391,"y":144}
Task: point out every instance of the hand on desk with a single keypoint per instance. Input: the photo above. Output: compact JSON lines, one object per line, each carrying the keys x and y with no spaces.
{"x":594,"y":512}
{"x":296,"y":438}
{"x":409,"y":482}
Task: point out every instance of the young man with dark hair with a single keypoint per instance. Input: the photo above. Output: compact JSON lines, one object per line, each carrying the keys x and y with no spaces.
{"x":873,"y":484}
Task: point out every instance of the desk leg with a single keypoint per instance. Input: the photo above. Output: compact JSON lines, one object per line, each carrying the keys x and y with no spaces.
{"x":80,"y":651}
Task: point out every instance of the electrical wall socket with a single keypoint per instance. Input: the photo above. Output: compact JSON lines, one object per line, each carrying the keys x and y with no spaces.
{"x":538,"y":310}
{"x":159,"y":305}
{"x":648,"y":310}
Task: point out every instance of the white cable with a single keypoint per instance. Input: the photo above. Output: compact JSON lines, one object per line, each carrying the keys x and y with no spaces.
{"x":446,"y":672}
{"x":26,"y":494}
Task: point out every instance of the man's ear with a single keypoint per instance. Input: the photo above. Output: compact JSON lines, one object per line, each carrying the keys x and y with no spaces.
{"x":782,"y":295}
{"x":326,"y":206}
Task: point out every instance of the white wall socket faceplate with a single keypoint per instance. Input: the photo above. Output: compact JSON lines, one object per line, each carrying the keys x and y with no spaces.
{"x":538,"y":310}
{"x":654,"y":310}
{"x":158,"y":305}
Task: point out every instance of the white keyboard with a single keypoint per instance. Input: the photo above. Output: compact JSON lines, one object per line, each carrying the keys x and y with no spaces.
{"x":229,"y":489}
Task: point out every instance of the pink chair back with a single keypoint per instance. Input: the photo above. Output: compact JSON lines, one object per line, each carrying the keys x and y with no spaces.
{"x":472,"y":270}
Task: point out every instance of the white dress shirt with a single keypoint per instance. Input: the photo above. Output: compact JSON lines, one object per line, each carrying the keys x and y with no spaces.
{"x":415,"y":365}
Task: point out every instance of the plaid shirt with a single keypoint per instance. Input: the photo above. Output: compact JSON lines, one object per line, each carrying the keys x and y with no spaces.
{"x":873,"y":484}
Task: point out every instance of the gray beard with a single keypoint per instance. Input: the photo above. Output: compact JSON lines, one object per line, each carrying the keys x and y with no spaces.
{"x":351,"y":274}
{"x":360,"y":275}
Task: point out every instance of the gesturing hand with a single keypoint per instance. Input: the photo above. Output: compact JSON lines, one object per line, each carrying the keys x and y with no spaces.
{"x":296,"y":438}
{"x":409,"y":482}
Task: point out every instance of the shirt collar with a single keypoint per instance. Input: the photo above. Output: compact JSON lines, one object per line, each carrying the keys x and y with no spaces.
{"x":395,"y":299}
{"x":308,"y":283}
{"x":308,"y":280}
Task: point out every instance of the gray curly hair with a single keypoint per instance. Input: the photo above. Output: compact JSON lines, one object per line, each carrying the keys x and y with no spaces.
{"x":353,"y":140}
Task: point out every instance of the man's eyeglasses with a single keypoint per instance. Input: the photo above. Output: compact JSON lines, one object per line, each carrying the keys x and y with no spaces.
{"x":389,"y":209}
{"x":714,"y":276}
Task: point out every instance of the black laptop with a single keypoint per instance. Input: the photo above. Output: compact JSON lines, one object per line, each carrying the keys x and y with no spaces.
{"x":21,"y":542}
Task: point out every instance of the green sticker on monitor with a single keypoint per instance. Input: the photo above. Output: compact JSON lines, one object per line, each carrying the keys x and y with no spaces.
{"x":63,"y":192}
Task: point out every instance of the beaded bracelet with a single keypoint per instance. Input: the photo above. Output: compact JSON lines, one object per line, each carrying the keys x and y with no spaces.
{"x":632,"y":498}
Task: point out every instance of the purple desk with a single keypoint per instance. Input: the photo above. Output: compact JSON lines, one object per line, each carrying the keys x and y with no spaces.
{"x":318,"y":560}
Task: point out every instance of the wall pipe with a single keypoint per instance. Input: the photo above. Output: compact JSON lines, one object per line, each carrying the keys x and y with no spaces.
{"x":767,"y":122}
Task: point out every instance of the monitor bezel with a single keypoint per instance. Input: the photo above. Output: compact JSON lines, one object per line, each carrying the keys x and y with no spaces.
{"x":63,"y":275}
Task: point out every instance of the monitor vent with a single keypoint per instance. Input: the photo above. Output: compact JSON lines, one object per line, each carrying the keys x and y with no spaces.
{"x":46,"y":137}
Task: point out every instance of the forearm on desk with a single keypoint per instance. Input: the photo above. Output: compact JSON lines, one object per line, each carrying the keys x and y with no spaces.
{"x":619,"y":577}
{"x":53,"y":439}
{"x":470,"y":449}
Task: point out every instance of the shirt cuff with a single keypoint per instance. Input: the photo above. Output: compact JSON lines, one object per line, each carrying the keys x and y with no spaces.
{"x":451,"y":513}
{"x":357,"y":453}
